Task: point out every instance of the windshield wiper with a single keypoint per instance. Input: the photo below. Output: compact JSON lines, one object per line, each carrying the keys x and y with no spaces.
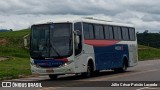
{"x":55,"y":49}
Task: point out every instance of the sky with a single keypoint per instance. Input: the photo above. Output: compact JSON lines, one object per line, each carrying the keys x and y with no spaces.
{"x":20,"y":14}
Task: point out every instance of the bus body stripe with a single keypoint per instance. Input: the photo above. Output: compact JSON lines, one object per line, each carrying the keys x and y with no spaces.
{"x":101,"y":42}
{"x":50,"y":63}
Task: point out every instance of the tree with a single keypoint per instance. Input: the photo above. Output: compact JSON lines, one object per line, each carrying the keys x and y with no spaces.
{"x":146,"y":31}
{"x":10,"y":29}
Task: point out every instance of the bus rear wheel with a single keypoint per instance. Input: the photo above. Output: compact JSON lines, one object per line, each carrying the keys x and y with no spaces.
{"x":53,"y":77}
{"x":122,"y":69}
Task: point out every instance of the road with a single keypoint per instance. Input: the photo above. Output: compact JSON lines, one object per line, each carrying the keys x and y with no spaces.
{"x":144,"y":71}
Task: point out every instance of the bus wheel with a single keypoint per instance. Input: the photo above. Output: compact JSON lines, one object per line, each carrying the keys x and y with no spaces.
{"x":89,"y":72}
{"x":53,"y":77}
{"x":122,"y":69}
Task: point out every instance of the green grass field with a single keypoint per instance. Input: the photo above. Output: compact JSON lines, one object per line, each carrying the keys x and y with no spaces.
{"x":18,"y":64}
{"x":148,"y":53}
{"x":11,"y":46}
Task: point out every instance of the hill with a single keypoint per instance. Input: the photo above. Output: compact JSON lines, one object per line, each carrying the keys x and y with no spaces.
{"x":11,"y":47}
{"x":4,"y":30}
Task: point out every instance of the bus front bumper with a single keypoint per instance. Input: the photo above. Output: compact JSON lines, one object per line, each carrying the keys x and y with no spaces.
{"x":67,"y":69}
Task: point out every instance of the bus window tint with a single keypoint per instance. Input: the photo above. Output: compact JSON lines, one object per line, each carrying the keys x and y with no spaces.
{"x":132,"y":33}
{"x":111,"y":36}
{"x":91,"y":32}
{"x":99,"y":34}
{"x":115,"y":29}
{"x":119,"y":33}
{"x":88,"y":31}
{"x":85,"y":31}
{"x":106,"y":31}
{"x":125,"y":33}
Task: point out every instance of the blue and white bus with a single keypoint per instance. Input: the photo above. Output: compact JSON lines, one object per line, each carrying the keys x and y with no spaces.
{"x":81,"y":46}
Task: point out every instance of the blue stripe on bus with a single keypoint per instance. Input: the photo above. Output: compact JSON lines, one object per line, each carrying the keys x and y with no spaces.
{"x":48,"y":63}
{"x":109,"y":57}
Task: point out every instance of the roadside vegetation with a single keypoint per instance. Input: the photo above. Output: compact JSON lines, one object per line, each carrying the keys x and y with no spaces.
{"x":149,"y":39}
{"x":18,"y":63}
{"x":148,"y":53}
{"x":11,"y":47}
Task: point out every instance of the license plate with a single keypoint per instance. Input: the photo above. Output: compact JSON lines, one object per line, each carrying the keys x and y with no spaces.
{"x":50,"y":70}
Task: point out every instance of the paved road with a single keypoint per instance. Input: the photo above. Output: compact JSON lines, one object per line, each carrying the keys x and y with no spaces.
{"x":145,"y":71}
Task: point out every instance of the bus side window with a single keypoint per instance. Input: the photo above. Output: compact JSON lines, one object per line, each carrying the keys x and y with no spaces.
{"x":111,"y":35}
{"x":106,"y":32}
{"x":115,"y":30}
{"x":91,"y":32}
{"x":86,"y":30}
{"x":119,"y":33}
{"x":99,"y":33}
{"x":132,"y":34}
{"x":125,"y":33}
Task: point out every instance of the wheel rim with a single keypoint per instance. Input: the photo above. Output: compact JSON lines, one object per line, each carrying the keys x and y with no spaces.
{"x":88,"y":71}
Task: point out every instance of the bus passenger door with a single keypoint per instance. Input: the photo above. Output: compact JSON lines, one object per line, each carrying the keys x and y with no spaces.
{"x":78,"y":52}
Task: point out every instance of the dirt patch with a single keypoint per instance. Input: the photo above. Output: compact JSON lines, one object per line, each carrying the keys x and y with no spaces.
{"x":3,"y":42}
{"x":3,"y":58}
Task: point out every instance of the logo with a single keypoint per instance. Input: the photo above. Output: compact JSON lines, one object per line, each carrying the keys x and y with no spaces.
{"x":21,"y":84}
{"x":6,"y":84}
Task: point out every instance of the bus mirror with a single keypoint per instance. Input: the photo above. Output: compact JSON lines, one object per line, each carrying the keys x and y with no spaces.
{"x":76,"y":41}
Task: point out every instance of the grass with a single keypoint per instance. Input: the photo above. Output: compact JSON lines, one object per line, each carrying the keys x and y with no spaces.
{"x":14,"y":68}
{"x":148,"y":53}
{"x":11,"y":46}
{"x":18,"y":63}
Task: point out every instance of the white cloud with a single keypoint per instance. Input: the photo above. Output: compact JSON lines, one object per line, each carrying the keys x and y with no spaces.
{"x":18,"y":14}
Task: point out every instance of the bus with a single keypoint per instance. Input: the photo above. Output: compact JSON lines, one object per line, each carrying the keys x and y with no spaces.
{"x":81,"y":46}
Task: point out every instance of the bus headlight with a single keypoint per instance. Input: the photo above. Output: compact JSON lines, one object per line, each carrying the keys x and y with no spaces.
{"x":67,"y":63}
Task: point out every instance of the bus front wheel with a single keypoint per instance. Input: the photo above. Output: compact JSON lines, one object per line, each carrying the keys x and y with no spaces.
{"x":90,"y":69}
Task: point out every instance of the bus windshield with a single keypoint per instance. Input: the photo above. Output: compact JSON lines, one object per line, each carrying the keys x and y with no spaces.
{"x":51,"y":41}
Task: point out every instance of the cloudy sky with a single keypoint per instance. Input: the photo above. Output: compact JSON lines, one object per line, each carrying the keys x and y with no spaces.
{"x":19,"y":14}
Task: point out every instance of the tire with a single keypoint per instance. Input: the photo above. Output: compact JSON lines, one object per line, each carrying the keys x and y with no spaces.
{"x":53,"y":77}
{"x":89,"y":72}
{"x":122,"y":69}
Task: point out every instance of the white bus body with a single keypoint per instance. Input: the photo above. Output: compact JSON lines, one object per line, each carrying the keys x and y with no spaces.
{"x":72,"y":46}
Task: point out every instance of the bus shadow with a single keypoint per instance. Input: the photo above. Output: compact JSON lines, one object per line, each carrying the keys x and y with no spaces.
{"x":79,"y":81}
{"x":80,"y":77}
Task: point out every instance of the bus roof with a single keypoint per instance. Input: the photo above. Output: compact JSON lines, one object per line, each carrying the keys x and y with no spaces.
{"x":83,"y":19}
